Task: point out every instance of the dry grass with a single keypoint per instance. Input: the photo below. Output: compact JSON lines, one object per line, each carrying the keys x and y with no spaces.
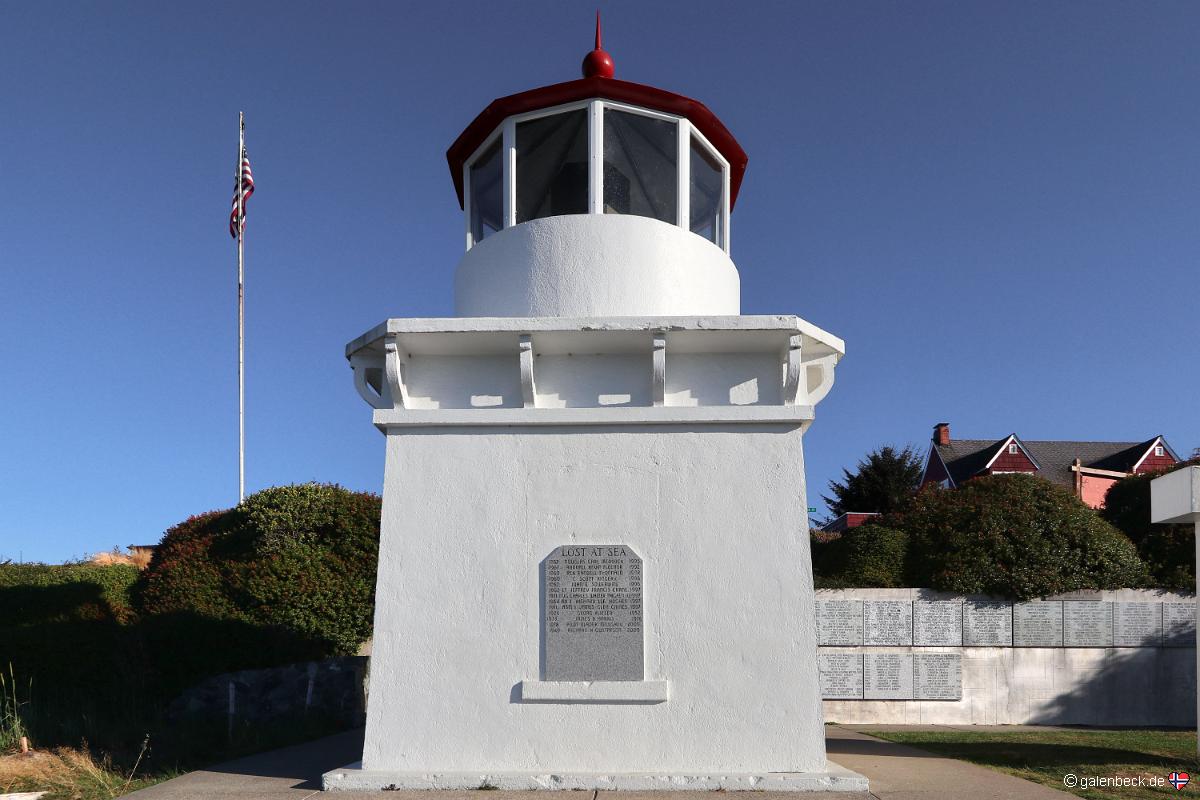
{"x":138,"y":558}
{"x":65,"y":774}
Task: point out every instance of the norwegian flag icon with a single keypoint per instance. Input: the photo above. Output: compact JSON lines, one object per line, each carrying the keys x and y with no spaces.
{"x":1178,"y":779}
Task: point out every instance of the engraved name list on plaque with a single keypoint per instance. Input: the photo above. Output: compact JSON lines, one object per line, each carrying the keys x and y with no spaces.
{"x":593,"y":614}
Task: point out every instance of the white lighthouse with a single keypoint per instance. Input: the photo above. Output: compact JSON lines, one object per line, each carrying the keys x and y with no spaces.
{"x":594,"y":566}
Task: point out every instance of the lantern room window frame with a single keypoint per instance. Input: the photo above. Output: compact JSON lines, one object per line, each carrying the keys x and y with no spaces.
{"x":685,"y":134}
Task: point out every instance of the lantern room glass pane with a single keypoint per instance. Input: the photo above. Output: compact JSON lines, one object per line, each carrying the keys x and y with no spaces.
{"x":639,"y":165}
{"x":707,"y":195}
{"x":552,"y":166}
{"x":487,"y":190}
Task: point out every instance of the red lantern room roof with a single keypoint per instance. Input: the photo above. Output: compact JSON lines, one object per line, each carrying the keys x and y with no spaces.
{"x":598,"y":83}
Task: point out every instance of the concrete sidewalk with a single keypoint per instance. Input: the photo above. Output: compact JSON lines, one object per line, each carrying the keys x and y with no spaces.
{"x":899,"y":772}
{"x":896,"y":772}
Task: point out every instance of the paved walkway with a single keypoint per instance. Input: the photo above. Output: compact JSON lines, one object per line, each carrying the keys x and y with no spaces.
{"x":896,"y":772}
{"x":899,"y":772}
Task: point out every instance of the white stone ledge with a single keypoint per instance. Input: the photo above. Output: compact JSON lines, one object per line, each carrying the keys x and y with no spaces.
{"x":642,"y":692}
{"x":780,"y":324}
{"x":833,"y":778}
{"x":389,"y":418}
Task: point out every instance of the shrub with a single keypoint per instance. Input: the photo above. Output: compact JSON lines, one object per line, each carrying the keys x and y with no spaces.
{"x":870,"y":555}
{"x":44,"y":593}
{"x":1017,"y":536}
{"x":288,"y":575}
{"x":1168,"y":550}
{"x":98,"y":651}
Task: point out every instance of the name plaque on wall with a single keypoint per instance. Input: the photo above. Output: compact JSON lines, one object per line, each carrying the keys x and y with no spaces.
{"x":1179,"y":624}
{"x":1137,"y":624}
{"x":887,"y":623}
{"x":937,"y":676}
{"x":888,"y":676}
{"x":840,"y":623}
{"x":937,"y":623}
{"x":863,"y":672}
{"x":592,"y":619}
{"x":1038,"y":624}
{"x":987,"y":624}
{"x":841,"y":676}
{"x":1087,"y":623}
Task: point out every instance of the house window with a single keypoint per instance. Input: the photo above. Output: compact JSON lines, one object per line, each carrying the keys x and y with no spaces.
{"x":1158,"y":450}
{"x":1013,"y":449}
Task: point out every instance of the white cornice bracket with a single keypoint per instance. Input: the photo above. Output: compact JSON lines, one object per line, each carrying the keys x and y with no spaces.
{"x":658,"y":384}
{"x":819,"y":378}
{"x":528,"y":386}
{"x":368,"y":380}
{"x":791,"y":370}
{"x":396,"y":365}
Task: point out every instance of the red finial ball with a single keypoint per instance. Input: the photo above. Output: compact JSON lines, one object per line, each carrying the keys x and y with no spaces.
{"x":598,"y":63}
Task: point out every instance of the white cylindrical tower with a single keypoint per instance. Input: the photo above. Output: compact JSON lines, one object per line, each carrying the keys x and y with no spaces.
{"x":596,"y":198}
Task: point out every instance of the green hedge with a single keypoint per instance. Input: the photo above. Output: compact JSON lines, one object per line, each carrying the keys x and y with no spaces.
{"x":67,"y":633}
{"x":1017,"y":536}
{"x":871,"y":555}
{"x":32,"y":594}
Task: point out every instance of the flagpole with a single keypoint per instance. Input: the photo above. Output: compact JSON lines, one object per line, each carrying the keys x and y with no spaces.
{"x":241,"y":313}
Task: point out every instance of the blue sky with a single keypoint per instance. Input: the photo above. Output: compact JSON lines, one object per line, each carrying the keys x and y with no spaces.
{"x":994,"y":204}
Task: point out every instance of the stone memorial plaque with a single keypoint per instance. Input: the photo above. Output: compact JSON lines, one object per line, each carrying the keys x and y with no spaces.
{"x":937,"y":623}
{"x":888,"y":676}
{"x":937,"y":676}
{"x":841,"y":676}
{"x":839,"y":622}
{"x":1137,"y":624}
{"x":1087,"y":623}
{"x":1179,"y":624}
{"x":887,"y":623}
{"x":987,"y":624}
{"x":1038,"y":624}
{"x":593,"y":614}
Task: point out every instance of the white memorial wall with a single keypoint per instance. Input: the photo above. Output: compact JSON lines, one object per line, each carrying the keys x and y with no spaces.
{"x":911,"y":656}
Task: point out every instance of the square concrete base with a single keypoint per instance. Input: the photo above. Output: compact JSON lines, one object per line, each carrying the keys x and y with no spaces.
{"x":834,"y":778}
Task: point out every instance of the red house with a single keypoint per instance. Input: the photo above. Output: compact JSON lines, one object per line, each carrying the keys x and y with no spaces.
{"x":1086,"y":468}
{"x":845,"y":522}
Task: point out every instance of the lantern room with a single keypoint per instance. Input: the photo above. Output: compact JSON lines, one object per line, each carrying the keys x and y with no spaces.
{"x":596,"y":197}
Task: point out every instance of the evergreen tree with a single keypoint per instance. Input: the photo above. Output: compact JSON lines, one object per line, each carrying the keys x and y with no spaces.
{"x":883,"y":482}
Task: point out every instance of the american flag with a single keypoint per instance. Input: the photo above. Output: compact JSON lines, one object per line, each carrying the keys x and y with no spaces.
{"x":247,"y":190}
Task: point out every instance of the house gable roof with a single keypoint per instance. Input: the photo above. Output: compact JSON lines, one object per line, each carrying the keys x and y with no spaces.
{"x":929,"y":475}
{"x":965,"y":458}
{"x":1012,"y":439}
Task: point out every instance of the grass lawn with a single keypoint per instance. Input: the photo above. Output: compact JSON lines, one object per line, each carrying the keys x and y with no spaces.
{"x":1047,"y":756}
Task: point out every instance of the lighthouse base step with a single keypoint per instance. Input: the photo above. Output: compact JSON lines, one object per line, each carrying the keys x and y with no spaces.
{"x":834,"y":778}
